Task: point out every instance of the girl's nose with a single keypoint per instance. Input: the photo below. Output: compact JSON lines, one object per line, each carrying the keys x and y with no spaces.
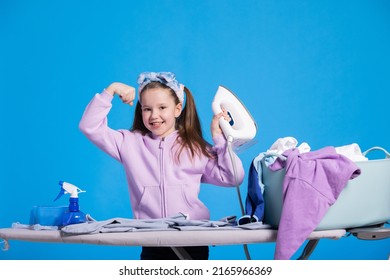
{"x":153,"y":114}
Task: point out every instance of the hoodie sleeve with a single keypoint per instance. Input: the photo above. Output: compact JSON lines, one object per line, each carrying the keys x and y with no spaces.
{"x":94,"y":125}
{"x":220,"y":170}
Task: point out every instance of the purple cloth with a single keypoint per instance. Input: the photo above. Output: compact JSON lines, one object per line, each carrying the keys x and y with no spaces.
{"x":312,"y":183}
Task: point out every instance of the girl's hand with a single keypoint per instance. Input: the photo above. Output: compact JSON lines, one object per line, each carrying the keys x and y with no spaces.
{"x":215,"y":128}
{"x":126,"y":93}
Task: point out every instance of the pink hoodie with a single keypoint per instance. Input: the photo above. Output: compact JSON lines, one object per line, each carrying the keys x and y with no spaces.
{"x":159,"y":186}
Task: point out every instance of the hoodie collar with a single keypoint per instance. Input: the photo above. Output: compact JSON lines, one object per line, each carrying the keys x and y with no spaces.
{"x":169,"y":138}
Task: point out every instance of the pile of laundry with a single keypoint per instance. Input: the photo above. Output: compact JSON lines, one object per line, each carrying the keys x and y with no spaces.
{"x":312,"y":183}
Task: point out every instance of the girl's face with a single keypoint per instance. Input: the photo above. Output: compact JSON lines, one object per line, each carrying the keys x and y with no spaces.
{"x":159,"y":111}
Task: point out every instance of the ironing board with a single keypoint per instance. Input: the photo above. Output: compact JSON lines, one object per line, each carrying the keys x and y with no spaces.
{"x":174,"y":239}
{"x":179,"y":239}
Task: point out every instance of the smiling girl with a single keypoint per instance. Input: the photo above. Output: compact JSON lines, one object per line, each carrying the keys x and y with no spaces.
{"x":164,"y":154}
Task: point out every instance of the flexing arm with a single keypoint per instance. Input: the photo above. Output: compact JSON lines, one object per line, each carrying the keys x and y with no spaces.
{"x":94,"y":120}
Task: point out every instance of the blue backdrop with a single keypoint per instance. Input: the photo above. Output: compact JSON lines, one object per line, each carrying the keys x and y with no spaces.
{"x":314,"y":70}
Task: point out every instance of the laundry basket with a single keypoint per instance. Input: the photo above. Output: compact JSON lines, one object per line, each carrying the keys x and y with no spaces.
{"x":364,"y":201}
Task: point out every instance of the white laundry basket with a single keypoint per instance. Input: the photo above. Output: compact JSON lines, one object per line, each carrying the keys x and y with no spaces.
{"x":364,"y":201}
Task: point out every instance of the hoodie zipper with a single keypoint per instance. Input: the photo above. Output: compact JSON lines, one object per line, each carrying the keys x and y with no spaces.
{"x":162,"y":178}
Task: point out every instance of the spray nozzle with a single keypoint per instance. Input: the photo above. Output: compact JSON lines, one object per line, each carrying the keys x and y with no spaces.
{"x":67,"y":188}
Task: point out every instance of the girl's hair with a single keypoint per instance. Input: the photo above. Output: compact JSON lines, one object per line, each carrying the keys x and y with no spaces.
{"x":187,"y":124}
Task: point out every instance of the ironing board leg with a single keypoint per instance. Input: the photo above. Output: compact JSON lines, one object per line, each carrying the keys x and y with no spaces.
{"x":309,"y":248}
{"x":181,"y":253}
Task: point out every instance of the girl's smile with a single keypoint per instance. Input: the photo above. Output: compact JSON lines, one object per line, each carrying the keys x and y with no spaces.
{"x":159,"y":111}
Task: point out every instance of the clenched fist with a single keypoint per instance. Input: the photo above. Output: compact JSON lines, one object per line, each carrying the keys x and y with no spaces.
{"x":126,"y":93}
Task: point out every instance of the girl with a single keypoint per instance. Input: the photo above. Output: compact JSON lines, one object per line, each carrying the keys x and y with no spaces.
{"x":164,"y":154}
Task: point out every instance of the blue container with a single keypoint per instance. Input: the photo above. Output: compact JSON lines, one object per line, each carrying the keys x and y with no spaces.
{"x":47,"y":215}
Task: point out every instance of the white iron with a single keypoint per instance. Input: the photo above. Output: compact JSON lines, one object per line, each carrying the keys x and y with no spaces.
{"x":242,"y":128}
{"x":239,"y":131}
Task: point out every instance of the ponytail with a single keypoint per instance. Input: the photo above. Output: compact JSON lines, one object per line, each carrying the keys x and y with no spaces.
{"x":190,"y":130}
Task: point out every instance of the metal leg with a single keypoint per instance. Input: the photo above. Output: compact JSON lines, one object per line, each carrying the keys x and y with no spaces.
{"x":248,"y":256}
{"x":181,"y":253}
{"x":308,"y":250}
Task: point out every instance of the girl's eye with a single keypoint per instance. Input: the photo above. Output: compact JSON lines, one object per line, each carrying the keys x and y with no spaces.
{"x":162,"y":107}
{"x":145,"y":109}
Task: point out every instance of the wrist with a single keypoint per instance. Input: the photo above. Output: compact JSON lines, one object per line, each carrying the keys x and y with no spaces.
{"x":110,"y":89}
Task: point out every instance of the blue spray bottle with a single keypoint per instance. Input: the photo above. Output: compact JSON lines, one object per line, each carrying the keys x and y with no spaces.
{"x":73,"y":215}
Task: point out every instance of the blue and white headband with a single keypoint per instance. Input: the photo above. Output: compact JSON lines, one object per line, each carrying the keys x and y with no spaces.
{"x":166,"y":78}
